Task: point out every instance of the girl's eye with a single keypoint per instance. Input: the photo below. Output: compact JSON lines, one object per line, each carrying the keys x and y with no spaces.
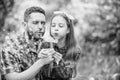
{"x":61,"y":25}
{"x":53,"y":25}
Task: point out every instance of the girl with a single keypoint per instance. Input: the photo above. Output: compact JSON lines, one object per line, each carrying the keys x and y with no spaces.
{"x":67,"y":53}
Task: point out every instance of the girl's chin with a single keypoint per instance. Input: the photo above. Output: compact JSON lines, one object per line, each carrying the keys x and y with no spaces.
{"x":56,"y":37}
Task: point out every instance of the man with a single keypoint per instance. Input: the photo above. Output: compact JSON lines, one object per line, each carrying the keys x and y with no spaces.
{"x":19,"y":55}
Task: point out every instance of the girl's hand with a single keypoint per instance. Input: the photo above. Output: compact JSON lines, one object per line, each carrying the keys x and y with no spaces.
{"x":57,"y":56}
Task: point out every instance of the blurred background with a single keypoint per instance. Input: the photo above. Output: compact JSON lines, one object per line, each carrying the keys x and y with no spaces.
{"x":96,"y":25}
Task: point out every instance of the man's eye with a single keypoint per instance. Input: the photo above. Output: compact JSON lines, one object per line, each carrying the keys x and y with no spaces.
{"x":53,"y":25}
{"x":35,"y":22}
{"x":43,"y":23}
{"x":61,"y":25}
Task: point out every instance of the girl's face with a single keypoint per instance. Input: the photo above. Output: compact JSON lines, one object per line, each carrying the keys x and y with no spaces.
{"x":59,"y":27}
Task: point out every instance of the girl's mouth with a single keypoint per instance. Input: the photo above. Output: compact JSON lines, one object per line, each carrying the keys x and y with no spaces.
{"x":56,"y":34}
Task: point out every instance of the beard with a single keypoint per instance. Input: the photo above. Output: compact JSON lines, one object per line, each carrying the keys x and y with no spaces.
{"x":35,"y":36}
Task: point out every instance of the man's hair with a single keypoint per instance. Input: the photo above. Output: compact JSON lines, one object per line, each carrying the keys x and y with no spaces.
{"x":32,"y":10}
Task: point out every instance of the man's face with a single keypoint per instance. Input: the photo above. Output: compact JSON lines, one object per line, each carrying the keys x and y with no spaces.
{"x":36,"y":24}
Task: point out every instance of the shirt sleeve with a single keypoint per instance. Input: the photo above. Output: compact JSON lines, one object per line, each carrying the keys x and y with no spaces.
{"x":8,"y":62}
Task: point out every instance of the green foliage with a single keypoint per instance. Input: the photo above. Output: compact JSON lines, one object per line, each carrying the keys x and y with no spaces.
{"x":5,"y":8}
{"x":99,"y":22}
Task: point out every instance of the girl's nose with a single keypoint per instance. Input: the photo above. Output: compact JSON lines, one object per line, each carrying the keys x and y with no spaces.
{"x":56,"y":28}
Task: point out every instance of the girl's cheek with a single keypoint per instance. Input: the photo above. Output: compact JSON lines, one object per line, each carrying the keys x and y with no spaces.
{"x":51,"y":33}
{"x":52,"y":30}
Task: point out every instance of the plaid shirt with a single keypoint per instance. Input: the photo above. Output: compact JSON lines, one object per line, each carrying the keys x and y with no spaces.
{"x":18,"y":54}
{"x":53,"y":71}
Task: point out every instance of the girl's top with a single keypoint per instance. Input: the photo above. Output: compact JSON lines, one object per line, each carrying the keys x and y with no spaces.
{"x":53,"y":71}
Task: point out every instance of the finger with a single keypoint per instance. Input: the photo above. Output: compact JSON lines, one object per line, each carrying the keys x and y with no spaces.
{"x":50,"y":52}
{"x":42,"y":56}
{"x":57,"y":58}
{"x":57,"y":53}
{"x":47,"y":53}
{"x":44,"y":51}
{"x":47,"y":60}
{"x":51,"y":58}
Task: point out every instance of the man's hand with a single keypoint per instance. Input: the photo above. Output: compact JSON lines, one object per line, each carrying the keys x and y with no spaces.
{"x":46,"y":60}
{"x":46,"y":55}
{"x":46,"y":52}
{"x":51,"y":53}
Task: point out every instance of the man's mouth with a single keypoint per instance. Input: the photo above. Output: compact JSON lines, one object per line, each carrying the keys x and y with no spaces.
{"x":35,"y":35}
{"x":38,"y":34}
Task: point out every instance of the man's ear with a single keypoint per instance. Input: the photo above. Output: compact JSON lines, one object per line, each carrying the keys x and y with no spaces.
{"x":24,"y":24}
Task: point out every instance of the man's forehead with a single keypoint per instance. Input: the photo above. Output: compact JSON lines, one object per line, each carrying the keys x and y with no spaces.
{"x":37,"y":16}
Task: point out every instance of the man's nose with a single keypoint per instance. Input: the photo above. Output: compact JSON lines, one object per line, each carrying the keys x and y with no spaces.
{"x":40,"y":26}
{"x":40,"y":29}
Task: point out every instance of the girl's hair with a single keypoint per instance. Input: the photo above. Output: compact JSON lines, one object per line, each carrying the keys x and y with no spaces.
{"x":70,"y":39}
{"x":73,"y":50}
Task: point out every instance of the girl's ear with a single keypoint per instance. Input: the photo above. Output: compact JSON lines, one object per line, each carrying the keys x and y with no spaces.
{"x":68,"y":31}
